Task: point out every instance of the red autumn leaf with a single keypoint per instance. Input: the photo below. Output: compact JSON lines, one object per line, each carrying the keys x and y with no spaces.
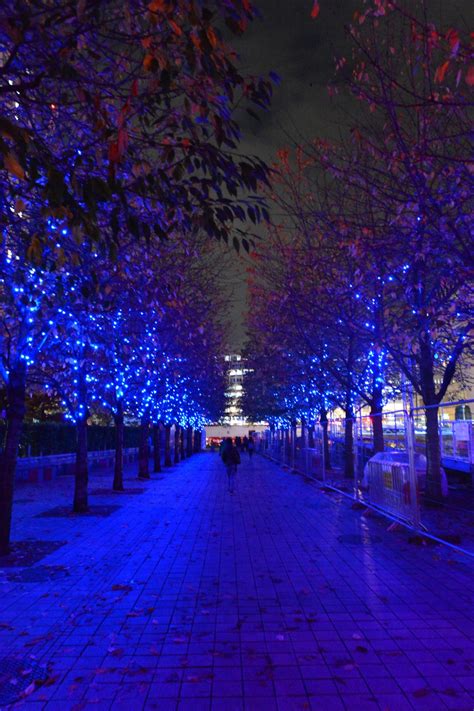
{"x":116,"y":652}
{"x":12,"y":164}
{"x":315,"y":10}
{"x":175,"y":27}
{"x":114,"y":153}
{"x":454,"y":42}
{"x":212,"y":37}
{"x":420,"y":693}
{"x":122,"y":141}
{"x":157,"y":6}
{"x":441,"y":71}
{"x":148,"y":61}
{"x":470,"y":76}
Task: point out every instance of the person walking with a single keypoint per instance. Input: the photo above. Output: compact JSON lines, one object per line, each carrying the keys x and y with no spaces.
{"x":231,"y":459}
{"x":222,"y":446}
{"x":250,"y":446}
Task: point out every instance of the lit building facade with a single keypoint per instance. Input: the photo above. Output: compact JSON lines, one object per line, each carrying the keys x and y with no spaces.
{"x":235,"y":378}
{"x":233,"y":423}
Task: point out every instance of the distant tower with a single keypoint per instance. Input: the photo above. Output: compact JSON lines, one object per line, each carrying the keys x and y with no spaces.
{"x":235,"y":378}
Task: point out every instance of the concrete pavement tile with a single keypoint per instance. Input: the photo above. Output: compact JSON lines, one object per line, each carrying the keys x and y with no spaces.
{"x":255,"y":599}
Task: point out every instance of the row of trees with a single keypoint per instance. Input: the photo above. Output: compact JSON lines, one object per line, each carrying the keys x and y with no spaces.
{"x":146,"y":344}
{"x":366,"y":276}
{"x":120,"y":164}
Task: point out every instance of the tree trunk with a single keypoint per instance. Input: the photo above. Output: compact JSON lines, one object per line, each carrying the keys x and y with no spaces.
{"x":181,"y":443}
{"x":156,"y":447}
{"x":376,"y":420}
{"x":433,"y":454}
{"x":8,"y":458}
{"x":323,"y":419}
{"x":119,"y":432}
{"x":189,"y":441}
{"x":143,"y":453}
{"x":434,"y":488}
{"x":177,"y":429}
{"x":198,"y":441}
{"x":303,"y":432}
{"x":81,"y":502}
{"x":311,"y":436}
{"x":167,"y":462}
{"x":287,"y":445}
{"x":349,"y":445}
{"x":293,"y":442}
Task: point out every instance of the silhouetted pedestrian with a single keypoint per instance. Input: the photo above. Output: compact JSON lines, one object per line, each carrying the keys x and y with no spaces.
{"x":251,"y":447}
{"x":222,"y":446}
{"x":231,"y":458}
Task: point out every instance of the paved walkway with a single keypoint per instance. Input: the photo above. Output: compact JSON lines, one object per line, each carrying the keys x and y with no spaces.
{"x":277,"y":597}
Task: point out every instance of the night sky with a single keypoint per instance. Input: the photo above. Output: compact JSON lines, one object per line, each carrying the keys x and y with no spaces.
{"x":301,"y":50}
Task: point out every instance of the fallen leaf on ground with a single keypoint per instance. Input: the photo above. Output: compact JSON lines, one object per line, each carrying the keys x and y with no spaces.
{"x":420,"y":693}
{"x":115,"y":651}
{"x":50,"y":681}
{"x":29,"y":689}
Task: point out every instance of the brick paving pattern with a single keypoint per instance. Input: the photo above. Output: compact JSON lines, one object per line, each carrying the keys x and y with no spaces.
{"x":277,"y":597}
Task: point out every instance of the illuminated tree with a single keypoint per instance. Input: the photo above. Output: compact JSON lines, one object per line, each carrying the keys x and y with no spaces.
{"x":375,"y":250}
{"x":29,"y":303}
{"x":130,"y":104}
{"x":413,"y":79}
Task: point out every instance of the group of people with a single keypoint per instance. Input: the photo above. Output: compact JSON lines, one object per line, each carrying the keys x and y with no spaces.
{"x":230,"y":455}
{"x":245,"y":445}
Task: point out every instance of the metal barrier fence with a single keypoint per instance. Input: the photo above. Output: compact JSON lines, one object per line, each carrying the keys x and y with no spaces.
{"x":35,"y":469}
{"x":394,"y":479}
{"x":391,"y":488}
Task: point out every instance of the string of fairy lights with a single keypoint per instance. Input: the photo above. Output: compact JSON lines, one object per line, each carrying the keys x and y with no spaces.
{"x":92,"y":358}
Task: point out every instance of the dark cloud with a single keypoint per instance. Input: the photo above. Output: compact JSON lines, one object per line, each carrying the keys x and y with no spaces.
{"x":302,"y":52}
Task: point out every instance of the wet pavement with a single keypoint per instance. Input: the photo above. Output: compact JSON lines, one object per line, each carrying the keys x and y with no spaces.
{"x":179,"y":595}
